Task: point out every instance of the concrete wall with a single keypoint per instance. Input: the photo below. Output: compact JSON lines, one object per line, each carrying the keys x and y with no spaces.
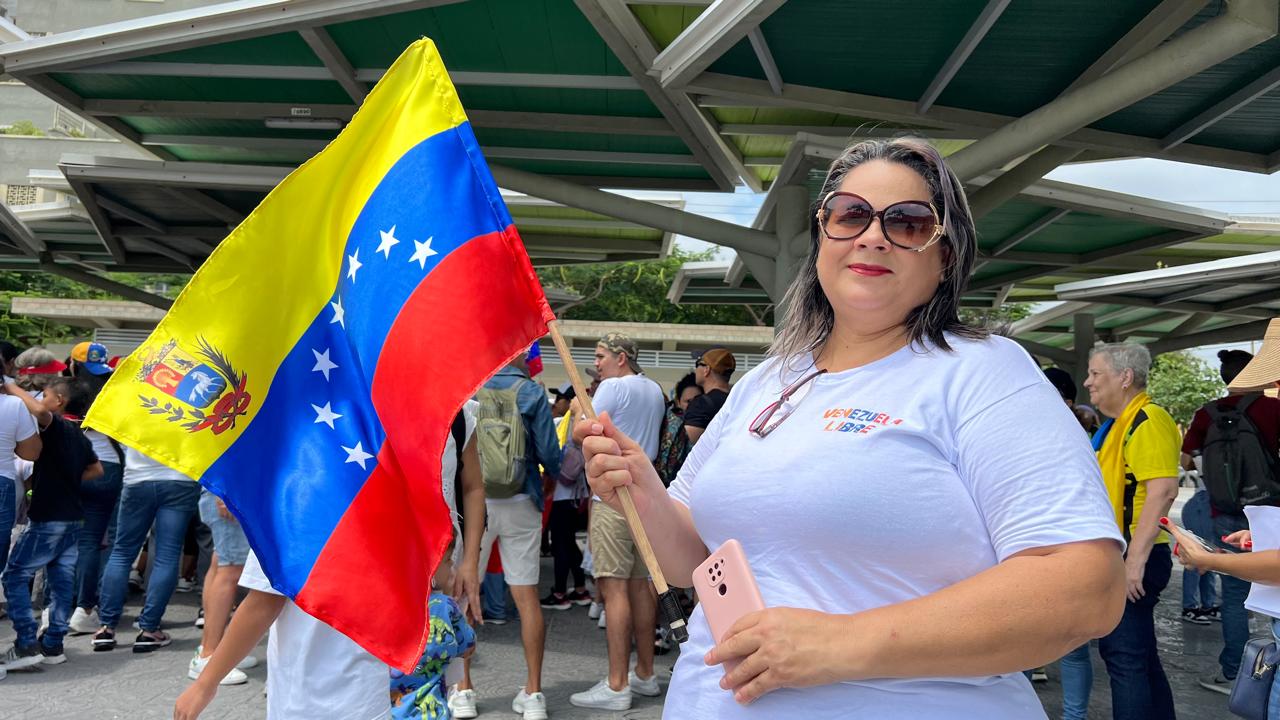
{"x":20,"y":154}
{"x":55,"y":16}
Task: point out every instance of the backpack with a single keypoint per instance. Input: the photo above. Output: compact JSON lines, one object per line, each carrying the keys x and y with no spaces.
{"x":1238,"y":469}
{"x":501,"y":440}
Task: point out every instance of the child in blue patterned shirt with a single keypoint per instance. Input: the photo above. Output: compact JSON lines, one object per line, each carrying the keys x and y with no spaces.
{"x":422,"y":694}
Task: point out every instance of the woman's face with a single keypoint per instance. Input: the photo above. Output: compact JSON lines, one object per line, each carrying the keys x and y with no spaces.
{"x":1107,"y":388}
{"x":687,"y":397}
{"x":867,"y":278}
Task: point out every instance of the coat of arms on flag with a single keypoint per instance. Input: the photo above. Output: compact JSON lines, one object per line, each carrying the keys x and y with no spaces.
{"x":195,"y":383}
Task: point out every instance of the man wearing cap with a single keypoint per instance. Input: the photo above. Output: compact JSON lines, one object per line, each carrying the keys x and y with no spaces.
{"x":1246,"y":377}
{"x":712,"y":370}
{"x":636,"y":405}
{"x":91,"y":358}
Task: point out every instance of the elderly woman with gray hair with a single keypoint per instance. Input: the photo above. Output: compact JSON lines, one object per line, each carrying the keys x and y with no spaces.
{"x":1138,"y":449}
{"x":921,"y":512}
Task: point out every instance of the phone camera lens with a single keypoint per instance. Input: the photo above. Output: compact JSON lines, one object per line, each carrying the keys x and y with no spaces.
{"x":723,"y":588}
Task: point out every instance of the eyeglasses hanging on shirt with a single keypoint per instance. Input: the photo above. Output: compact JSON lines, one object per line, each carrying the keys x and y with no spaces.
{"x":783,"y":407}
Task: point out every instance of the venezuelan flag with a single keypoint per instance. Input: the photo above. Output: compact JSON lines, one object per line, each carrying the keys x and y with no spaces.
{"x":309,"y":372}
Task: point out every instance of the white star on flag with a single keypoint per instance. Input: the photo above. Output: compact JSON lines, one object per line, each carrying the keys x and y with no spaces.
{"x":339,"y":315}
{"x":353,"y":264}
{"x":357,"y":455}
{"x":422,"y":252}
{"x":323,"y":363}
{"x":388,"y":240}
{"x":326,"y":415}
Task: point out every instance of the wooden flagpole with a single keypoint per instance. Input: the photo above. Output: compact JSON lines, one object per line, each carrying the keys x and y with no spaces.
{"x":668,"y":603}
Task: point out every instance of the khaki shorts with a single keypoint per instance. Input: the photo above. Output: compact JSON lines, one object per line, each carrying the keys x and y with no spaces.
{"x":613,"y":551}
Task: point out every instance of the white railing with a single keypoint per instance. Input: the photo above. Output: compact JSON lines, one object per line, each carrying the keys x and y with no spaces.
{"x":674,"y":359}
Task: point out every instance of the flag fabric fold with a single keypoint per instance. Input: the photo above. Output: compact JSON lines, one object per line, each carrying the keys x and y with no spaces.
{"x":309,"y":372}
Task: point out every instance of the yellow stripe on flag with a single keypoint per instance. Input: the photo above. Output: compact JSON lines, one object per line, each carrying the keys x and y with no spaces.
{"x":269,"y":279}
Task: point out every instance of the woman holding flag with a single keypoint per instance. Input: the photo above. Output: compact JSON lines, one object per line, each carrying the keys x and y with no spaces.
{"x":889,"y":472}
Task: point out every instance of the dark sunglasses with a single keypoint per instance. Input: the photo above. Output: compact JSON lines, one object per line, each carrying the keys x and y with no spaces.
{"x":910,"y":225}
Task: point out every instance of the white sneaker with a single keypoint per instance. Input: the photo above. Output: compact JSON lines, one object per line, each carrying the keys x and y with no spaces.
{"x":248,"y":662}
{"x":594,"y":611}
{"x":648,"y":687}
{"x":463,"y":704}
{"x":44,"y":622}
{"x":601,"y":622}
{"x":84,"y":623}
{"x":602,"y":697}
{"x":531,"y":706}
{"x":185,"y":585}
{"x":198,"y":664}
{"x":135,"y":580}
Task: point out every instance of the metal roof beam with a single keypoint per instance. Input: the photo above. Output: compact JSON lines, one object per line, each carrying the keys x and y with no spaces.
{"x":1136,"y":325}
{"x":1188,"y":326}
{"x":1058,"y":355}
{"x":160,"y":248}
{"x":1026,"y":233}
{"x":203,"y":202}
{"x":765,"y":57}
{"x":19,"y":232}
{"x":977,"y":31}
{"x":842,"y":132}
{"x":637,"y":211}
{"x":1221,"y":109}
{"x":90,"y":169}
{"x":190,"y":28}
{"x":734,"y":91}
{"x":1044,"y":317}
{"x":1193,"y":292}
{"x":1230,"y":333}
{"x":362,"y":75}
{"x":102,"y":283}
{"x":320,"y":42}
{"x":119,"y":209}
{"x":1242,"y":25}
{"x":186,"y":232}
{"x":632,"y":45}
{"x":709,"y":36}
{"x":1013,"y":276}
{"x":580,"y":243}
{"x":1153,"y":242}
{"x":1250,"y":300}
{"x":1179,"y":306}
{"x":1010,"y":183}
{"x":98,"y":216}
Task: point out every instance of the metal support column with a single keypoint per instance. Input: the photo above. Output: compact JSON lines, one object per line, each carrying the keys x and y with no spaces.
{"x":1082,"y":325}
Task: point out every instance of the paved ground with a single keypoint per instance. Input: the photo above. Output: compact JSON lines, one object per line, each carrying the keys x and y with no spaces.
{"x":120,"y":685}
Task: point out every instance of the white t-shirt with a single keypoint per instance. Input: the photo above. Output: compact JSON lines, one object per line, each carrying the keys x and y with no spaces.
{"x":102,"y":446}
{"x":636,"y":405}
{"x":140,"y":468}
{"x":16,"y":425}
{"x":887,"y":483}
{"x":314,"y":671}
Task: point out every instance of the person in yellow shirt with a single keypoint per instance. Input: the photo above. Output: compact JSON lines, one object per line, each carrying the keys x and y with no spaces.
{"x":1138,"y":450}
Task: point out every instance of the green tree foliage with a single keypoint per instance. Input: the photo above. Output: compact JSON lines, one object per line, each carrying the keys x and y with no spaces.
{"x":23,"y":127}
{"x":1181,"y":382}
{"x":637,"y":292}
{"x":25,"y":331}
{"x":996,"y":319}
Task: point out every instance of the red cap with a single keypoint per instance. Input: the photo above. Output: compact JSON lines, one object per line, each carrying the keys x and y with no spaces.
{"x":53,"y":367}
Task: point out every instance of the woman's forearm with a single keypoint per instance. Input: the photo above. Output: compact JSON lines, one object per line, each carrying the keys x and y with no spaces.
{"x":1262,"y":566}
{"x":1024,"y":612}
{"x":675,"y":541}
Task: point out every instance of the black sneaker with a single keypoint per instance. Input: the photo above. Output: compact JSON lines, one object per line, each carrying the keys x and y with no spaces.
{"x":104,"y":640}
{"x":150,"y":641}
{"x":200,"y":618}
{"x":1194,"y":616}
{"x":1213,"y":613}
{"x":1217,"y":683}
{"x":581,"y":598}
{"x":556,"y":601}
{"x":53,"y":654}
{"x":22,"y":656}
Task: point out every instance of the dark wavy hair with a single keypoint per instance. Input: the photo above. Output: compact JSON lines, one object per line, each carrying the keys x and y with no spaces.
{"x":1233,"y":362}
{"x":808,"y":317}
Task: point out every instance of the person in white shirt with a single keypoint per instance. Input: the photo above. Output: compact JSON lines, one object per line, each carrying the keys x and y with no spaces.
{"x":910,"y":492}
{"x":637,"y":405}
{"x":19,"y":439}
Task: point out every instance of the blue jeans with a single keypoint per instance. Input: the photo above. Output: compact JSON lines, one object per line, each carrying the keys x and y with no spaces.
{"x":50,"y":545}
{"x":1139,"y":688}
{"x":493,"y":596}
{"x":8,"y":507}
{"x":1077,"y":683}
{"x":1199,"y":591}
{"x":170,"y":504}
{"x":1235,"y":619}
{"x":99,"y":499}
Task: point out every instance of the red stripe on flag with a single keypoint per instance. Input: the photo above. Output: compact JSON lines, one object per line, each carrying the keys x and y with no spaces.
{"x":478,"y":308}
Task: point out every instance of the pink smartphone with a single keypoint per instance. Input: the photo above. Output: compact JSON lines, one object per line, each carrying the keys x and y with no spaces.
{"x":727,"y":590}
